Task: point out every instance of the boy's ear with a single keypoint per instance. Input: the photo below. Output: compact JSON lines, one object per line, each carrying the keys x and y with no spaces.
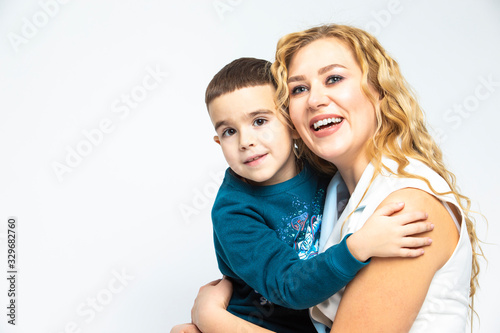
{"x":216,"y":139}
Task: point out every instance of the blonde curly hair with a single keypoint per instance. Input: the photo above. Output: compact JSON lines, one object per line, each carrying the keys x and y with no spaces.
{"x":401,"y":131}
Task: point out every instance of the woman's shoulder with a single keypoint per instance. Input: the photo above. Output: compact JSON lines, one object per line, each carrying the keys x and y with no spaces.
{"x":418,"y":175}
{"x":424,"y":190}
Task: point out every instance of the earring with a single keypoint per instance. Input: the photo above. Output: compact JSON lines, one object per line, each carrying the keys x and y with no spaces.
{"x":296,"y":150}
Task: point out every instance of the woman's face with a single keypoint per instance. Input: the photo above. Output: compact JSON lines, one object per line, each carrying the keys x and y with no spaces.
{"x":327,"y":106}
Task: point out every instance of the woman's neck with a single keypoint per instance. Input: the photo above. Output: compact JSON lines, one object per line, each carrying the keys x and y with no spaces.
{"x":351,"y":173}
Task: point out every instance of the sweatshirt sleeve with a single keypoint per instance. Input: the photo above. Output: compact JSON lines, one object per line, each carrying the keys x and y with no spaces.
{"x":246,"y":246}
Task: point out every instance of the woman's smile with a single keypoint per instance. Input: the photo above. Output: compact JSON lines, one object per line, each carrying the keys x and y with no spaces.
{"x":325,"y":124}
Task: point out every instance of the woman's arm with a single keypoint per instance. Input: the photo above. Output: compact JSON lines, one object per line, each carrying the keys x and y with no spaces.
{"x":209,"y":311}
{"x":387,"y":295}
{"x":185,"y":328}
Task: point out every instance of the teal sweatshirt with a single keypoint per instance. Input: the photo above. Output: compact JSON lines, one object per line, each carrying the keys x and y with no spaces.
{"x":266,"y":241}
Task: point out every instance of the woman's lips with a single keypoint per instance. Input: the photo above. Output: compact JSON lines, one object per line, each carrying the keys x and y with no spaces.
{"x":326,"y":124}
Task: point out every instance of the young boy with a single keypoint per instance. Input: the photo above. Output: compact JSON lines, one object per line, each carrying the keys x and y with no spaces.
{"x":270,"y":197}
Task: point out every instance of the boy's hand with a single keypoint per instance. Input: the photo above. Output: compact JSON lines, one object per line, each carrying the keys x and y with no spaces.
{"x":384,"y":235}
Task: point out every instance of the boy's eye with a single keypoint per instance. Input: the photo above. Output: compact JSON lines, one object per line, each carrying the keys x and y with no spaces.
{"x":228,"y":132}
{"x":298,"y":90}
{"x":259,"y":122}
{"x":333,"y":79}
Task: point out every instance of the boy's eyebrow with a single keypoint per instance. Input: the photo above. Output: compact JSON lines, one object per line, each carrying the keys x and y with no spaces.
{"x":250,"y":115}
{"x":219,"y":124}
{"x":259,"y":111}
{"x":321,"y":71}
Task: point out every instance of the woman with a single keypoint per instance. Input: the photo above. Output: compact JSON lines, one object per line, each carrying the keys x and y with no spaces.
{"x":352,"y":108}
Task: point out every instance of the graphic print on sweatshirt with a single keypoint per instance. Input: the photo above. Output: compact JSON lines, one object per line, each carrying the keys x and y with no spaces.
{"x":303,"y":225}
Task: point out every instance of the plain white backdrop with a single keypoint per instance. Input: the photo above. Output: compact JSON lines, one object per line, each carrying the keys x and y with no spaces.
{"x":107,"y":158}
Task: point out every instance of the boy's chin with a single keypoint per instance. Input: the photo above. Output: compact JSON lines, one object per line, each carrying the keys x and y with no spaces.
{"x":258,"y":180}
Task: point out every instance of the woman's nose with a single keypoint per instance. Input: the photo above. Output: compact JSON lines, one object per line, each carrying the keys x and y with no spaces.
{"x":317,"y":98}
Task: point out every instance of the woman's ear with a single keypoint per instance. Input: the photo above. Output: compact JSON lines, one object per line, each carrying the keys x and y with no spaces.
{"x":216,"y":139}
{"x":295,"y":134}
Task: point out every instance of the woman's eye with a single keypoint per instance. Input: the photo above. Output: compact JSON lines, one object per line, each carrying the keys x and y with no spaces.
{"x":259,"y":122}
{"x":228,"y":132}
{"x":298,"y":90}
{"x":333,"y":79}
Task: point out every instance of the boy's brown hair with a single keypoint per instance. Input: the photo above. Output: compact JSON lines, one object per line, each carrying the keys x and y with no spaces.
{"x":238,"y":74}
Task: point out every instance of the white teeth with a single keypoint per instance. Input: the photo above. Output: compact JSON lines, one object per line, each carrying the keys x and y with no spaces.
{"x":326,"y":121}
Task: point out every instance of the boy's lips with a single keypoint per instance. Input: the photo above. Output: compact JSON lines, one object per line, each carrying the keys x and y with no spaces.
{"x":255,"y":159}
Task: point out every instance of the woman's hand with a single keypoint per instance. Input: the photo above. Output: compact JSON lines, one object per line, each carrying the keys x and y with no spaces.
{"x":212,"y":299}
{"x":209,"y":312}
{"x":185,"y":328}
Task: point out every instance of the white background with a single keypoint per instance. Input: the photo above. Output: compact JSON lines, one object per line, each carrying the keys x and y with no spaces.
{"x":138,"y":203}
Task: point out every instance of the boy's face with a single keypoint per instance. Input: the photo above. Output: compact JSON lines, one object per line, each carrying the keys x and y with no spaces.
{"x":256,"y":143}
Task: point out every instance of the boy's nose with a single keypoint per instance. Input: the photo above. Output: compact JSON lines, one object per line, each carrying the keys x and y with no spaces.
{"x":246,"y":140}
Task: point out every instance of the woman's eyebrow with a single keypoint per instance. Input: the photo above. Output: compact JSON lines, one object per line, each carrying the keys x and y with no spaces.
{"x":325,"y":69}
{"x":321,"y":71}
{"x":296,"y":78}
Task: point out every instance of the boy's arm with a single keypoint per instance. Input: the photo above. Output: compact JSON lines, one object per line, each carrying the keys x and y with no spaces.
{"x":253,"y":251}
